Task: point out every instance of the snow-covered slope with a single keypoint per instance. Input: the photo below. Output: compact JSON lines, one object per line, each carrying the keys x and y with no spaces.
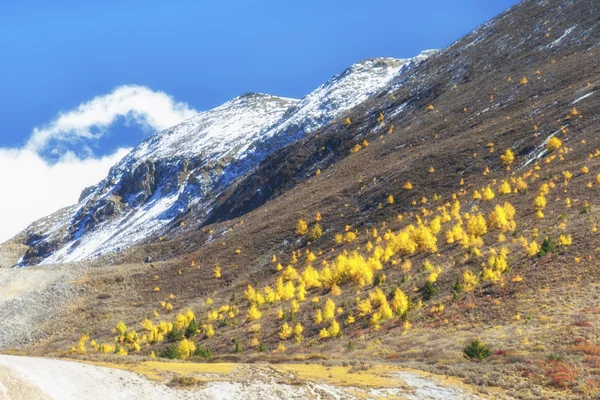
{"x":188,"y":165}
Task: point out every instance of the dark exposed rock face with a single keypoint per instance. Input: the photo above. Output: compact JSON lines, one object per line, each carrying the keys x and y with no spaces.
{"x":138,"y":185}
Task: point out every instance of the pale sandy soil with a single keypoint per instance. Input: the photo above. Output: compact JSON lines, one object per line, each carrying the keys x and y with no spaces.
{"x":29,"y":297}
{"x":27,"y":378}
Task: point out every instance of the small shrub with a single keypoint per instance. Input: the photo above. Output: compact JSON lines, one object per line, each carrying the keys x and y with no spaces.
{"x":561,"y":374}
{"x":203,"y":352}
{"x":170,"y":353}
{"x":554,"y":357}
{"x":192,"y":329}
{"x":456,"y":288}
{"x":429,"y":290}
{"x":547,"y":247}
{"x":315,"y":232}
{"x":476,"y":351}
{"x":175,"y":335}
{"x":379,"y":279}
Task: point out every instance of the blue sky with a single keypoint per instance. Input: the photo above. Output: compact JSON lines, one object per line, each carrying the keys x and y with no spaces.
{"x":190,"y":56}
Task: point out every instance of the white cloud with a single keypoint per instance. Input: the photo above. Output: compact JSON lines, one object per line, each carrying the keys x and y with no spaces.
{"x":32,"y":187}
{"x":156,"y":110}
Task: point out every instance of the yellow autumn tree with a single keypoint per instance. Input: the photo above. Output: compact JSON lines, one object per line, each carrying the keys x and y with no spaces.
{"x":507,"y":158}
{"x":328,"y":310}
{"x":502,"y":217}
{"x":488,"y":194}
{"x":301,"y":227}
{"x":315,"y":232}
{"x":253,"y":313}
{"x":476,"y":225}
{"x":311,"y":277}
{"x":185,"y":349}
{"x":400,"y":302}
{"x":553,"y":144}
{"x":470,"y":280}
{"x":285,"y":332}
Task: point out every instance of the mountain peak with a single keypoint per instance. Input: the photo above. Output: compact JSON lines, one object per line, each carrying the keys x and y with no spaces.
{"x":188,"y":165}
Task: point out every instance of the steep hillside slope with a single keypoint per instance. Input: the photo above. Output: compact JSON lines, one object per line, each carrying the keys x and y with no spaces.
{"x":185,"y":167}
{"x":460,"y":202}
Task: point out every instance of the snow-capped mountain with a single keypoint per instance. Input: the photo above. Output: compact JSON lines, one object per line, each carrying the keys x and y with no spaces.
{"x":188,"y":165}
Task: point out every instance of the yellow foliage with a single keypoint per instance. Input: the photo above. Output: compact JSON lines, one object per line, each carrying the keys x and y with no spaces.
{"x":268,"y":296}
{"x":285,"y":332}
{"x":334,"y":329}
{"x":298,"y":329}
{"x":301,"y":290}
{"x":539,"y":202}
{"x":539,"y":214}
{"x":180,"y":321}
{"x":476,"y":225}
{"x":288,"y":291}
{"x":106,"y":348}
{"x":553,"y":144}
{"x":185,"y":349}
{"x":324,"y":333}
{"x":210,"y":332}
{"x":400,"y":302}
{"x":335,"y":290}
{"x":301,"y":227}
{"x":318,"y":316}
{"x":315,"y":232}
{"x":254,"y":342}
{"x":470,"y":280}
{"x":253,"y":313}
{"x":311,"y":277}
{"x":364,"y":307}
{"x":505,"y":188}
{"x":121,"y":328}
{"x":508,"y":157}
{"x":328,"y":310}
{"x":488,"y":194}
{"x":294,"y":306}
{"x":213,"y":315}
{"x":521,"y":185}
{"x":349,"y":237}
{"x":377,"y":297}
{"x":290,"y":273}
{"x":564,"y":240}
{"x":502,"y":217}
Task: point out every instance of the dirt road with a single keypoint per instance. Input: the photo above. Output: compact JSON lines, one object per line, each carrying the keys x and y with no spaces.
{"x":28,"y":378}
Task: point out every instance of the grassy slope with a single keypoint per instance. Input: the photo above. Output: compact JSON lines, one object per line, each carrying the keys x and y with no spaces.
{"x":551,"y":311}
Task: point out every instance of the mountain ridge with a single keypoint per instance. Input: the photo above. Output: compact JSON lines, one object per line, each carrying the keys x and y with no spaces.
{"x":204,"y":153}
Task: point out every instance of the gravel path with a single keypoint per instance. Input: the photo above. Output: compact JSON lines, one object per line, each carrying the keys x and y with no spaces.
{"x":28,"y":298}
{"x":28,"y":378}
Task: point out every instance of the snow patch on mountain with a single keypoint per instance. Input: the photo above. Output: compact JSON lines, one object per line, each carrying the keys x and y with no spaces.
{"x":188,"y":165}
